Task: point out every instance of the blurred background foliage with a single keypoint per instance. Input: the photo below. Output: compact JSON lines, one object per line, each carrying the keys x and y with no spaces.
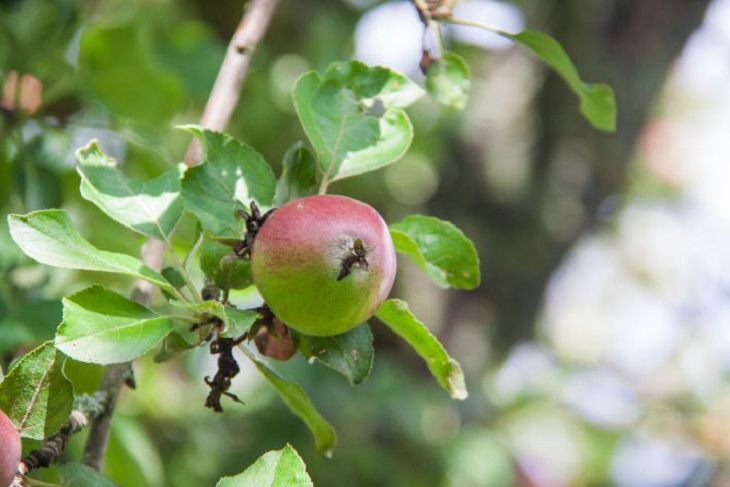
{"x":596,"y":350}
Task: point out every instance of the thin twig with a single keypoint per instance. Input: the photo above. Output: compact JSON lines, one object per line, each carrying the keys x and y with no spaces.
{"x":435,"y":29}
{"x":429,"y":13}
{"x":227,"y":88}
{"x":218,"y":110}
{"x":86,"y":408}
{"x":478,"y":25}
{"x":96,"y":444}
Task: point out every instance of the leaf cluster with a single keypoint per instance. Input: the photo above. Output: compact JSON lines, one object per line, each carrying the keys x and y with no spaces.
{"x":355,"y":121}
{"x":354,"y":118}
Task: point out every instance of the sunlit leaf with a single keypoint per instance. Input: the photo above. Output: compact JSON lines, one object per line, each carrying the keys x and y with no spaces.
{"x":395,"y":136}
{"x":440,"y":249}
{"x":448,"y":81}
{"x":50,"y":237}
{"x":151,"y":208}
{"x":351,"y":353}
{"x":370,"y":83}
{"x":279,"y":468}
{"x":35,"y":394}
{"x":299,"y":403}
{"x":339,"y":123}
{"x":103,"y":327}
{"x":230,"y":176}
{"x":353,"y":117}
{"x":447,"y":371}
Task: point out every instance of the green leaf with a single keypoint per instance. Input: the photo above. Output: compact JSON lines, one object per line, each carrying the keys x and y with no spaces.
{"x":103,"y":327}
{"x":339,"y":113}
{"x":440,"y":249}
{"x":173,"y":345}
{"x":279,"y":468}
{"x":339,"y":125}
{"x":370,"y":83}
{"x":223,"y":267}
{"x":597,"y":102}
{"x":351,"y":354}
{"x":151,"y":208}
{"x":36,"y":395}
{"x":299,"y":403}
{"x":214,"y":308}
{"x":79,"y":475}
{"x":231,"y":175}
{"x":299,"y":175}
{"x":448,"y":81}
{"x":49,"y":237}
{"x":174,"y":277}
{"x":396,"y":134}
{"x":447,"y":371}
{"x":237,"y":321}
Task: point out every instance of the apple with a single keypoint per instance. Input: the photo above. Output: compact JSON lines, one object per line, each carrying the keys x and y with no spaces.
{"x":276,"y":342}
{"x":323,"y":263}
{"x":10,"y":449}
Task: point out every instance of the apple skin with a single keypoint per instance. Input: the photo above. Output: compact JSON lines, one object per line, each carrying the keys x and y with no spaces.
{"x":298,"y":256}
{"x":10,"y":449}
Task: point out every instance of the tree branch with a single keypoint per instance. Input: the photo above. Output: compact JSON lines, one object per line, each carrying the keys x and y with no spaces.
{"x":153,"y":253}
{"x":96,"y":444}
{"x":227,"y":88}
{"x":86,"y":409}
{"x":222,"y":101}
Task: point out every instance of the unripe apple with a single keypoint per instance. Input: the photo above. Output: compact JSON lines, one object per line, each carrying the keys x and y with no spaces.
{"x":9,"y":450}
{"x":323,"y":263}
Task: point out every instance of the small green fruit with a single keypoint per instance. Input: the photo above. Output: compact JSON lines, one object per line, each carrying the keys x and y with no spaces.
{"x":324,"y":263}
{"x":10,"y":449}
